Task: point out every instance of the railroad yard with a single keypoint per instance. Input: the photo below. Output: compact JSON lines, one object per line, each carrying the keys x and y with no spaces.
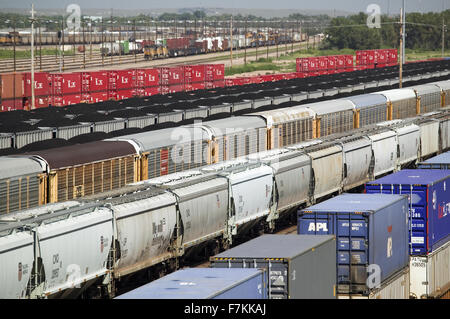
{"x":219,"y":159}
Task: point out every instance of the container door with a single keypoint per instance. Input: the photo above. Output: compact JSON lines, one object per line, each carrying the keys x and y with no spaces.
{"x":352,"y":250}
{"x":277,"y":272}
{"x":417,"y":200}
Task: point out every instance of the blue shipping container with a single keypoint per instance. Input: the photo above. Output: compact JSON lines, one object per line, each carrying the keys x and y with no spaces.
{"x":204,"y":283}
{"x":378,"y":236}
{"x":429,"y":205}
{"x":442,"y":161}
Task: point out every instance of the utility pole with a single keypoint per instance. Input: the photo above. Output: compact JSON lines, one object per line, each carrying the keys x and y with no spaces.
{"x":32,"y":57}
{"x":443,"y":36}
{"x":245,"y":43}
{"x":14,"y":48}
{"x":404,"y":31}
{"x":231,"y":40}
{"x":400,"y":69}
{"x":40,"y":48}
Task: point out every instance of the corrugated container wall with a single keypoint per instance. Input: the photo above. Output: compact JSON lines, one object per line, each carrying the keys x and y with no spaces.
{"x":429,"y":205}
{"x":298,"y":267}
{"x":372,"y":236}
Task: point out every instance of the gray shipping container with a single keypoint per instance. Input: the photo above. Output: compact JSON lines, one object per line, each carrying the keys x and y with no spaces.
{"x":299,"y":266}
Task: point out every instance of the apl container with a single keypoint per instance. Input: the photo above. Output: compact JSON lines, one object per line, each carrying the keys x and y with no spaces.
{"x":442,"y":161}
{"x":205,"y":283}
{"x":299,"y":267}
{"x":374,"y":248}
{"x":429,"y":205}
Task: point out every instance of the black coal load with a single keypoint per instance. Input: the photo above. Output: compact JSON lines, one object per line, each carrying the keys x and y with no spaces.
{"x":89,"y":137}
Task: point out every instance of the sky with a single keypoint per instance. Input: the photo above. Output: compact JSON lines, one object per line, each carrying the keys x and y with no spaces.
{"x":387,"y":6}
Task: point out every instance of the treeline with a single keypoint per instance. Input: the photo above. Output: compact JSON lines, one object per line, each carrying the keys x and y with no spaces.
{"x":309,"y":24}
{"x":423,"y":31}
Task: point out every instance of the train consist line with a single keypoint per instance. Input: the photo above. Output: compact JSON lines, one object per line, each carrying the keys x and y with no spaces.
{"x":157,"y":224}
{"x":248,"y":177}
{"x":74,"y":171}
{"x":52,"y":63}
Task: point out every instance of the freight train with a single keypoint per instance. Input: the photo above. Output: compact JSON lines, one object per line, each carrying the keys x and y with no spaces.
{"x":71,"y":172}
{"x":63,"y":249}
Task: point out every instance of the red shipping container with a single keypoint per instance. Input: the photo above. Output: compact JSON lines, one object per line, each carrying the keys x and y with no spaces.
{"x":125,"y":94}
{"x":11,"y":86}
{"x":219,"y":83}
{"x":219,"y":72}
{"x":299,"y":64}
{"x":66,"y":83}
{"x":313,"y":64}
{"x":149,"y":91}
{"x":340,"y":61}
{"x":41,"y":84}
{"x":11,"y":105}
{"x":331,"y":62}
{"x":194,"y":73}
{"x":125,"y":79}
{"x":195,"y":86}
{"x":70,"y":99}
{"x":176,"y":88}
{"x":322,"y":63}
{"x":146,"y":78}
{"x":98,"y":96}
{"x":349,"y":61}
{"x":98,"y":81}
{"x":39,"y":102}
{"x":393,"y":56}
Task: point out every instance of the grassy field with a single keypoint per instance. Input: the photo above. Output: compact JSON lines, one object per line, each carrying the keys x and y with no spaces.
{"x":23,"y":54}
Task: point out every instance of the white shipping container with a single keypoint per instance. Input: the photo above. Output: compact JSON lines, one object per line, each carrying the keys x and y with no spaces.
{"x":430,"y":275}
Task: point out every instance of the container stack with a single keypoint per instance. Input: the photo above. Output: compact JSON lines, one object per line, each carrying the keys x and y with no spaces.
{"x":11,"y":91}
{"x":369,"y":59}
{"x":372,"y":240}
{"x":428,"y":223}
{"x":314,"y":66}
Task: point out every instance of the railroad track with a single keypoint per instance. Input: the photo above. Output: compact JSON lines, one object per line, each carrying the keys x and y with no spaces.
{"x":52,"y":63}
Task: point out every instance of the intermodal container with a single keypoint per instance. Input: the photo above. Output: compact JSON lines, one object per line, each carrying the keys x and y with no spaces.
{"x":441,"y":161}
{"x":66,"y":83}
{"x":429,"y":205}
{"x":39,"y":102}
{"x":149,"y":91}
{"x":42,"y":82}
{"x":331,"y":62}
{"x":11,"y":86}
{"x":11,"y":105}
{"x":372,"y":236}
{"x":322,"y":63}
{"x":313,"y":64}
{"x":205,"y":283}
{"x":98,"y":81}
{"x":194,"y":73}
{"x":219,"y":72}
{"x":298,"y":267}
{"x":125,"y":79}
{"x":125,"y":94}
{"x":98,"y":97}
